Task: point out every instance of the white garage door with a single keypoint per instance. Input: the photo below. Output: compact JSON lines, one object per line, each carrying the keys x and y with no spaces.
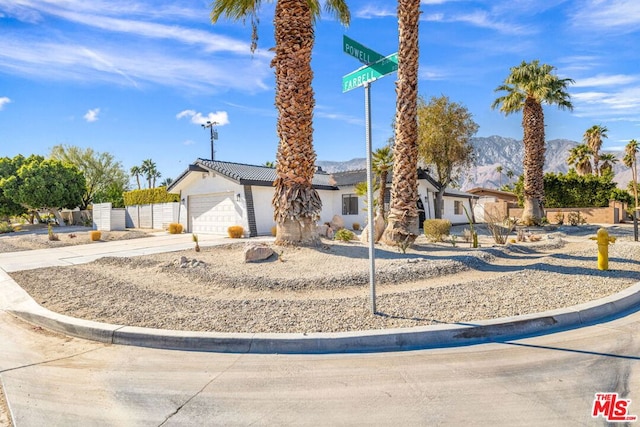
{"x":213,"y":213}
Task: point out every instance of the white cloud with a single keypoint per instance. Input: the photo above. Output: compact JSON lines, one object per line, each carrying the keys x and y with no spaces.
{"x":92,"y":115}
{"x":371,"y":11}
{"x":220,"y":118}
{"x":188,"y":142}
{"x":605,"y":80}
{"x":618,"y":15}
{"x":4,"y":101}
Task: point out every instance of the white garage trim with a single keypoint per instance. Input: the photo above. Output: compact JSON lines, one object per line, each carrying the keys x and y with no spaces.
{"x":213,"y":213}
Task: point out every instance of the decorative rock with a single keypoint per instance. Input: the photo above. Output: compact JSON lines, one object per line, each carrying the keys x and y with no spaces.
{"x":322,"y":230}
{"x":337,"y":223}
{"x":257,"y":252}
{"x":378,"y":230}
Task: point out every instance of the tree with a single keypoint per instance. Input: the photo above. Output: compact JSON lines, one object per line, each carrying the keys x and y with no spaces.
{"x":608,"y":160}
{"x":593,"y":139}
{"x":8,"y":168}
{"x":136,"y":171}
{"x":499,"y":169}
{"x":630,"y":160}
{"x":46,"y":184}
{"x":444,"y":132}
{"x":527,"y":87}
{"x":381,"y":165}
{"x":150,"y":171}
{"x":296,"y":203}
{"x":402,"y":226}
{"x":580,"y":157}
{"x":100,"y":170}
{"x":510,"y":175}
{"x":166,"y":182}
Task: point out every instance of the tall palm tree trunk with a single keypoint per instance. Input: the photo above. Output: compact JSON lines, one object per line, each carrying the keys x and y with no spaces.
{"x":296,"y":204}
{"x":403,"y":212}
{"x":534,"y":151}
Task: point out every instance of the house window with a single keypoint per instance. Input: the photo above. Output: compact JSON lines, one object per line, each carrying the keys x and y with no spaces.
{"x":457,"y":207}
{"x":349,"y":204}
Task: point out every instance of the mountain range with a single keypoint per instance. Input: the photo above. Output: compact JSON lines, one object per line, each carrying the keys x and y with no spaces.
{"x":495,"y":151}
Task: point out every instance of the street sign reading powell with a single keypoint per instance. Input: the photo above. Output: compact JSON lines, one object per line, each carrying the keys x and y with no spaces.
{"x":363,"y":75}
{"x":359,"y":51}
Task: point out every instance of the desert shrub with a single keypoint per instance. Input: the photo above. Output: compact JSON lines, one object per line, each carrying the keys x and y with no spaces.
{"x":5,"y":227}
{"x":467,"y":236}
{"x":575,"y":218}
{"x":274,"y":231}
{"x":559,"y":217}
{"x":500,"y":228}
{"x":436,"y":229}
{"x":356,"y":226}
{"x":175,"y":228}
{"x":235,"y":231}
{"x":52,"y":236}
{"x":344,"y":235}
{"x":95,"y":235}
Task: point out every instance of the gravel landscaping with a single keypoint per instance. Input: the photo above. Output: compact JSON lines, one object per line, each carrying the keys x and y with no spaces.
{"x":326,"y":289}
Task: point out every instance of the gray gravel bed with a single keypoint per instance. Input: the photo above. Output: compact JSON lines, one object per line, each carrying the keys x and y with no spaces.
{"x":550,"y":282}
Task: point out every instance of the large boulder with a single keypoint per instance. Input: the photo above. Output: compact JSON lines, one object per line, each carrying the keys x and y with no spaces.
{"x":256,"y":252}
{"x":379,"y":226}
{"x":337,"y":223}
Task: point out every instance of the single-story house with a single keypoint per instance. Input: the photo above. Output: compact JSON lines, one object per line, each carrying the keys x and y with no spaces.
{"x":215,"y":195}
{"x":496,"y":202}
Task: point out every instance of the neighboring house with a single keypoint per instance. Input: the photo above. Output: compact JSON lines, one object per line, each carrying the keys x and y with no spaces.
{"x":215,"y":195}
{"x":496,"y":202}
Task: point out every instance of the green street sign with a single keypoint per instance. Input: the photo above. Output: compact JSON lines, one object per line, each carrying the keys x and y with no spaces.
{"x":363,"y":75}
{"x":359,"y":51}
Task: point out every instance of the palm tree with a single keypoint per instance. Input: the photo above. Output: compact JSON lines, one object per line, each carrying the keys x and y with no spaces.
{"x":136,"y":171}
{"x":402,"y":226}
{"x":149,"y":169}
{"x":510,"y":175}
{"x":608,"y":160}
{"x":593,"y":139}
{"x":527,"y":87}
{"x":166,"y":182}
{"x":296,"y":203}
{"x":630,"y":160}
{"x":499,"y":169}
{"x":580,"y":156}
{"x":381,"y":164}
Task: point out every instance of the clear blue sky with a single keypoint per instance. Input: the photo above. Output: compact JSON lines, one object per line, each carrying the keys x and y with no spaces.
{"x":136,"y":78}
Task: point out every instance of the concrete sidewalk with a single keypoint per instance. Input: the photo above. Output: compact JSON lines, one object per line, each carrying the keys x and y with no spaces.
{"x":16,"y":301}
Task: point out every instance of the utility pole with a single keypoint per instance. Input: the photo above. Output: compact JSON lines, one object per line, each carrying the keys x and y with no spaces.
{"x":214,"y":135}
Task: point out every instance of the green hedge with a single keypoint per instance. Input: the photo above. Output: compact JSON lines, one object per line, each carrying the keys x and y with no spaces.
{"x":148,"y":196}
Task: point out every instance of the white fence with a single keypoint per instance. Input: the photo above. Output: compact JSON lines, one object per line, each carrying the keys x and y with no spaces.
{"x":105,"y":218}
{"x":156,"y":216}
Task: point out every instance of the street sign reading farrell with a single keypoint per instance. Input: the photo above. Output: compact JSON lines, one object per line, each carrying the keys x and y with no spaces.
{"x":363,"y":75}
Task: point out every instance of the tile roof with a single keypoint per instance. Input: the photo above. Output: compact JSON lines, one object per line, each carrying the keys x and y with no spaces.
{"x":250,"y":174}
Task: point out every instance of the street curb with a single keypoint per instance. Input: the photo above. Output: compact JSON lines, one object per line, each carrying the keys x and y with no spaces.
{"x":16,"y":301}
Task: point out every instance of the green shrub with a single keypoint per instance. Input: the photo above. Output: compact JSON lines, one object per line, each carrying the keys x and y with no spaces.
{"x":436,"y":229}
{"x":235,"y":231}
{"x":148,"y":196}
{"x":344,"y":235}
{"x":5,"y":227}
{"x":559,"y":217}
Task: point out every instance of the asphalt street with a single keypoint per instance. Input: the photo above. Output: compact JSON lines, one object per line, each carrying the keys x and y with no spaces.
{"x":550,"y":380}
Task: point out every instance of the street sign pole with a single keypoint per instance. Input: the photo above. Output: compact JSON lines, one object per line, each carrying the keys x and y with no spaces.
{"x":376,"y":66}
{"x":372,"y":267}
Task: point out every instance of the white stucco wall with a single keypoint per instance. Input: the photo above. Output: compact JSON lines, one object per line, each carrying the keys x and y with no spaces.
{"x":262,"y":197}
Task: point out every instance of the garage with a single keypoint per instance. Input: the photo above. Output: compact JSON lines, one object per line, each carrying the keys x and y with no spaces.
{"x":213,"y":213}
